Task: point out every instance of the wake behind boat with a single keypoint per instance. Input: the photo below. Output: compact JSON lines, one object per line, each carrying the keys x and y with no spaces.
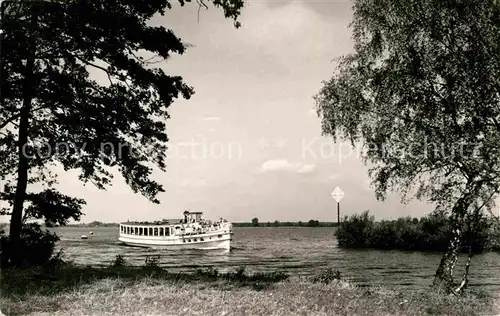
{"x":191,"y":232}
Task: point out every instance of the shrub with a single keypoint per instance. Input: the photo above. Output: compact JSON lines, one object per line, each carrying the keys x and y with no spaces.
{"x":326,"y":276}
{"x":119,"y":262}
{"x":430,"y":233}
{"x":354,"y":230}
{"x":152,"y":262}
{"x":37,"y":247}
{"x":493,"y":241}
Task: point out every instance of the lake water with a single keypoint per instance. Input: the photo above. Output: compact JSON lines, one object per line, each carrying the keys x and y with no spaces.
{"x":296,"y":250}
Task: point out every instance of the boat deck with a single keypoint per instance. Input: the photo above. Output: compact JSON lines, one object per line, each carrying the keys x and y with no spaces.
{"x":157,"y":223}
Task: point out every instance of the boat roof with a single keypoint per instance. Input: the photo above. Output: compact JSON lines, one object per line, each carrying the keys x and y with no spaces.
{"x":156,"y":223}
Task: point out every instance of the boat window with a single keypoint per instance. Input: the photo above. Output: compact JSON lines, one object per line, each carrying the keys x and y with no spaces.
{"x":155,"y":231}
{"x":201,"y":239}
{"x":189,"y":240}
{"x":140,"y":231}
{"x":195,"y":239}
{"x":136,"y":230}
{"x":150,"y":232}
{"x":220,"y":236}
{"x":128,"y":230}
{"x":167,"y":231}
{"x":161,"y":231}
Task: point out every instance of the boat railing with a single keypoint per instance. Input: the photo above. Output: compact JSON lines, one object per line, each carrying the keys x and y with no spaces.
{"x":199,"y":228}
{"x":206,"y":229}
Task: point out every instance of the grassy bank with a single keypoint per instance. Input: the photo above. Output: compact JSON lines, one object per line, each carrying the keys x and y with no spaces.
{"x":429,"y":233}
{"x":72,"y":290}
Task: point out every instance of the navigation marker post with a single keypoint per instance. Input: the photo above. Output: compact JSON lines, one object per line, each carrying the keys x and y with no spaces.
{"x":337,"y":195}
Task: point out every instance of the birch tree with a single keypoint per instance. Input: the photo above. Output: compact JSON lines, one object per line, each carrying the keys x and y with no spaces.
{"x":421,"y":93}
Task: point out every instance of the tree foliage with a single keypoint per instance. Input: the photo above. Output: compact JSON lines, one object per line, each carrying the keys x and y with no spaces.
{"x":255,"y":222}
{"x":421,"y":94}
{"x":429,"y":233}
{"x":56,"y":112}
{"x":50,"y":205}
{"x":37,"y":246}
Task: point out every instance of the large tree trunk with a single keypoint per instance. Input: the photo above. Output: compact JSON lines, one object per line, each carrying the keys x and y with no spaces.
{"x":443,"y":280}
{"x":22,"y":183}
{"x":473,"y":222}
{"x":23,"y":165}
{"x":465,"y":278}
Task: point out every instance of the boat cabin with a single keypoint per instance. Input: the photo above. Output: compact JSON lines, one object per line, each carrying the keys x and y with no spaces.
{"x":192,"y":217}
{"x":146,"y":230}
{"x":192,"y":224}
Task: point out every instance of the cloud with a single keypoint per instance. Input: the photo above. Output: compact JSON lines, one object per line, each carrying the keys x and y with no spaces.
{"x":211,"y":118}
{"x":195,"y":183}
{"x":496,"y":209}
{"x":285,"y":165}
{"x":306,"y":169}
{"x":334,"y":177}
{"x":368,"y":185}
{"x":312,"y":112}
{"x":287,"y":24}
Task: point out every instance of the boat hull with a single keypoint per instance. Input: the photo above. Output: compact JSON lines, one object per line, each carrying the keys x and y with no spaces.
{"x":179,"y":243}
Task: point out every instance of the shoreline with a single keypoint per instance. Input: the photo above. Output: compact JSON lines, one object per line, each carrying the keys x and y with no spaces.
{"x":150,"y":290}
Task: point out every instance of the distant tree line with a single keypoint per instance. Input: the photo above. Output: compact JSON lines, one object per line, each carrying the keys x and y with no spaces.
{"x":94,"y":224}
{"x":311,"y":223}
{"x":429,"y":233}
{"x":254,"y":223}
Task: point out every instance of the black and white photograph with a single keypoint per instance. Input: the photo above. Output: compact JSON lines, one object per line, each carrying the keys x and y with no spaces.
{"x":249,"y":157}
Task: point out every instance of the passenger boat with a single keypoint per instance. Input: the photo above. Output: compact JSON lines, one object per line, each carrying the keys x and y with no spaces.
{"x":191,"y":232}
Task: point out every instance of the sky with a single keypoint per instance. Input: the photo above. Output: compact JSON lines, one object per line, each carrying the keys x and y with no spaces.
{"x":248,"y":143}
